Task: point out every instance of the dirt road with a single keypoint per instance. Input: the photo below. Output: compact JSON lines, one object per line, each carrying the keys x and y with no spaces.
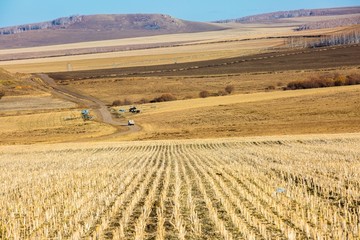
{"x":101,"y":110}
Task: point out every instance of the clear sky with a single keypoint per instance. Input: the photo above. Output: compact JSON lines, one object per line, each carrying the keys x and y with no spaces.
{"x":15,"y":12}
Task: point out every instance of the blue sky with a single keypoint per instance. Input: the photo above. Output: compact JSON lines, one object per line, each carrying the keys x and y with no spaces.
{"x":14,"y":12}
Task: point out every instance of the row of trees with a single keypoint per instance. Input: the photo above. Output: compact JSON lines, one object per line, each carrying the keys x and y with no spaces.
{"x":119,"y":102}
{"x":228,"y":90}
{"x":330,"y":40}
{"x":328,"y":80}
{"x":330,"y":23}
{"x":166,"y":97}
{"x":340,"y":39}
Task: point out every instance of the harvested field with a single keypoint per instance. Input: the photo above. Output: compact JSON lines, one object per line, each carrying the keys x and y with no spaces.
{"x":185,"y":87}
{"x":32,"y":103}
{"x":270,"y":188}
{"x":81,"y":51}
{"x":326,"y":110}
{"x":146,"y":57}
{"x":51,"y":126}
{"x":239,"y":40}
{"x":269,"y":62}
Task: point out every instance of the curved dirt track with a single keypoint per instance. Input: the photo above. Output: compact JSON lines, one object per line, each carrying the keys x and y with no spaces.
{"x":93,"y":103}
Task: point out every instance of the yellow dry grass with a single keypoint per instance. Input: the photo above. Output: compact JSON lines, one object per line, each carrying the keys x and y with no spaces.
{"x":31,"y":103}
{"x":182,"y":105}
{"x":137,"y":88}
{"x":54,"y":126}
{"x":328,"y":110}
{"x":142,"y":57}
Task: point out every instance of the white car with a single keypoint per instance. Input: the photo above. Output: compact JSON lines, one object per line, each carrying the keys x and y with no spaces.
{"x":131,"y":122}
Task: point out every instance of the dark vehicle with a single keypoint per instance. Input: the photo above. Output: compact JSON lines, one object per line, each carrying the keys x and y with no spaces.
{"x":134,"y":110}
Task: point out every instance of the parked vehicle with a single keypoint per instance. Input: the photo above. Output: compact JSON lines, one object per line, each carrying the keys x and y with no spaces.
{"x":134,"y":110}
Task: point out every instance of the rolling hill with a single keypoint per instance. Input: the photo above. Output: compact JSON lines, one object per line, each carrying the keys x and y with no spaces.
{"x":97,"y":27}
{"x":274,"y":16}
{"x":12,"y":84}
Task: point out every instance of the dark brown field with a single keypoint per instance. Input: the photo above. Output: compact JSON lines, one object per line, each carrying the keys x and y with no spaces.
{"x":329,"y":57}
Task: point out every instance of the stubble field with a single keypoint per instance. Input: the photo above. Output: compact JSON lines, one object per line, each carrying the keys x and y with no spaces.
{"x":49,"y":126}
{"x":269,"y":188}
{"x":244,"y":169}
{"x":42,"y":118}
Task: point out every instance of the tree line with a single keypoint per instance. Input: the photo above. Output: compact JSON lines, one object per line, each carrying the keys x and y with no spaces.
{"x":324,"y":41}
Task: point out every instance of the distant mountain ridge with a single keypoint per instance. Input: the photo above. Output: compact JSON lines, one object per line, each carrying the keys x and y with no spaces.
{"x":96,"y":28}
{"x":266,"y":17}
{"x":354,"y":20}
{"x":63,"y":22}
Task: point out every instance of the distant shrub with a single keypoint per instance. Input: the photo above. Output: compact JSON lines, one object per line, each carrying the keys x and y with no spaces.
{"x":339,"y":80}
{"x":204,"y":94}
{"x":127,"y":101}
{"x":229,"y":89}
{"x":2,"y":93}
{"x":120,"y":103}
{"x":143,"y":101}
{"x":117,"y":103}
{"x":269,"y":88}
{"x":352,"y":79}
{"x":327,"y":80}
{"x":222,"y":93}
{"x":166,"y":97}
{"x":187,"y":97}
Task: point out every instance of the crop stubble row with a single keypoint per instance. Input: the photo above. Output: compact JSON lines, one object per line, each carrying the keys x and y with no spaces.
{"x":184,"y":190}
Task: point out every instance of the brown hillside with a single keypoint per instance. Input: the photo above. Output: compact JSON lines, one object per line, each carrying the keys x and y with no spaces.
{"x":349,"y":21}
{"x":96,"y":28}
{"x":17,"y":84}
{"x":270,"y":17}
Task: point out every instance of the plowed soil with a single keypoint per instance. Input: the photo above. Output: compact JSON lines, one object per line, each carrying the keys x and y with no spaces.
{"x":330,"y":57}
